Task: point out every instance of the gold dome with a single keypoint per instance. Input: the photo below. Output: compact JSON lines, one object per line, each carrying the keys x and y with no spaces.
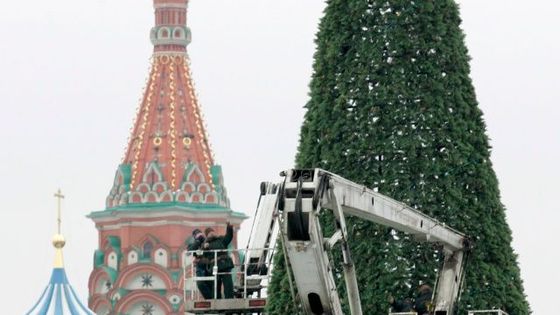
{"x":58,"y":241}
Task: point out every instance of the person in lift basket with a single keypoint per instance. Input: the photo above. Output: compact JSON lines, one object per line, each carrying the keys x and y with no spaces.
{"x":224,"y":262}
{"x":422,"y":302}
{"x":203,"y":268}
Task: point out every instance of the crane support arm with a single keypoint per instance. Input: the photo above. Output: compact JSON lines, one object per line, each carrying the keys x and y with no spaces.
{"x":307,"y":191}
{"x":359,"y":201}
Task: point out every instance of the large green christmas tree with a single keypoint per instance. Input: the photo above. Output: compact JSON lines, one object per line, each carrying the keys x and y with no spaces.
{"x":392,"y":106}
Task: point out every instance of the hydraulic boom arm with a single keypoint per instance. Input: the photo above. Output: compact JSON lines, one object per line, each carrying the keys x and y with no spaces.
{"x":306,"y":192}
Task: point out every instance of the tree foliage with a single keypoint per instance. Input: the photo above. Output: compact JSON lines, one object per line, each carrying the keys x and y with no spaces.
{"x":392,"y":106}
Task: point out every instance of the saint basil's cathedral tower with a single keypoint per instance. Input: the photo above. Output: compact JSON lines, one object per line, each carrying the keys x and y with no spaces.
{"x":166,"y":186}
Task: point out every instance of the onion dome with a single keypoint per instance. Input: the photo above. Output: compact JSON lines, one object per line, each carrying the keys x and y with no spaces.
{"x":59,"y":298}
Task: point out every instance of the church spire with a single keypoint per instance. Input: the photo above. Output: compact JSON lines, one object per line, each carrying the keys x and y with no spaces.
{"x":168,"y":158}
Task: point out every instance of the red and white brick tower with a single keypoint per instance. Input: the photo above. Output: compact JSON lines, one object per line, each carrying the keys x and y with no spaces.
{"x":166,"y":186}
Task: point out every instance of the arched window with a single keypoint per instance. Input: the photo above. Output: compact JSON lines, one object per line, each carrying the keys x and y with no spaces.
{"x":160,"y":257}
{"x":132,"y":257}
{"x":112,"y":261}
{"x":147,"y":250}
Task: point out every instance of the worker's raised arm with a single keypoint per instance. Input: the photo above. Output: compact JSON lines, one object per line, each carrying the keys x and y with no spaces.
{"x":229,"y":234}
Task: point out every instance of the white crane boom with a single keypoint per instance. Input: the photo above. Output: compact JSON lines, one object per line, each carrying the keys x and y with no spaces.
{"x":359,"y":201}
{"x":306,"y":191}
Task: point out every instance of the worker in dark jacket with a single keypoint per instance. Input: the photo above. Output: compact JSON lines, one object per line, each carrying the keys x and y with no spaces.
{"x":224,"y":262}
{"x":423,"y":300}
{"x":203,"y":269}
{"x":400,"y":306}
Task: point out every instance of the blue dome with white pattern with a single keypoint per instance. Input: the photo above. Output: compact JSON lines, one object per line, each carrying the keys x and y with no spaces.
{"x":59,"y":298}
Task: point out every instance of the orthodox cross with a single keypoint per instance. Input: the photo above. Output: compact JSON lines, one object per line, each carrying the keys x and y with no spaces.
{"x":59,"y":196}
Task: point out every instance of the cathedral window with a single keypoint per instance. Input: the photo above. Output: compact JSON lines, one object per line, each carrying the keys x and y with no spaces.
{"x":112,"y":261}
{"x":147,"y":250}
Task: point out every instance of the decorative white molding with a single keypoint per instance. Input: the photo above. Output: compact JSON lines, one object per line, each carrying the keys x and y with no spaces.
{"x":170,"y":5}
{"x":166,"y":212}
{"x":132,"y":257}
{"x":138,"y":308}
{"x":157,"y":223}
{"x":140,"y":282}
{"x":101,"y":285}
{"x":160,"y":257}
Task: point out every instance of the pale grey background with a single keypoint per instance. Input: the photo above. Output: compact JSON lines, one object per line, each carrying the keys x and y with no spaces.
{"x":72,"y":72}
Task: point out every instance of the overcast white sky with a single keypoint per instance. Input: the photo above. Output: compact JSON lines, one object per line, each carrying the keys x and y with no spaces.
{"x":72,"y":72}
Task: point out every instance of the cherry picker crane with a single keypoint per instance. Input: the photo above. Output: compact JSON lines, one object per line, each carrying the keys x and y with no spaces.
{"x":290,"y":210}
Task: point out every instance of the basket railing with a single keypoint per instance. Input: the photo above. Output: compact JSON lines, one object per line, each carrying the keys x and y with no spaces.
{"x":250,"y":276}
